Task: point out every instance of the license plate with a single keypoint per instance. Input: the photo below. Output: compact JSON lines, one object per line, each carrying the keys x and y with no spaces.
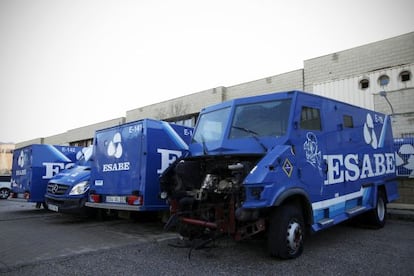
{"x":53,"y":208}
{"x":115,"y":199}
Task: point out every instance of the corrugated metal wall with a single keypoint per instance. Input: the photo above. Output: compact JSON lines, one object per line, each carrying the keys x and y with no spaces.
{"x":350,"y":91}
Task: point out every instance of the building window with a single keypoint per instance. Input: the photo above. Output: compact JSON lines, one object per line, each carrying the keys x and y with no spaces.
{"x":364,"y":84}
{"x":188,"y":121}
{"x":310,"y":118}
{"x":383,"y":80}
{"x":405,"y":76}
{"x":81,"y":143}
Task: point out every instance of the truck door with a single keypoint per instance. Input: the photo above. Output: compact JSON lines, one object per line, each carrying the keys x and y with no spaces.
{"x":310,"y":145}
{"x":131,"y":180}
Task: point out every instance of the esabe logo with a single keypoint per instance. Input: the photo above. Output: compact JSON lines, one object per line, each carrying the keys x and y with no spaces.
{"x":362,"y":165}
{"x":20,"y":159}
{"x":405,"y":160}
{"x":114,"y":149}
{"x":369,"y":132}
{"x":20,"y":163}
{"x":115,"y":146}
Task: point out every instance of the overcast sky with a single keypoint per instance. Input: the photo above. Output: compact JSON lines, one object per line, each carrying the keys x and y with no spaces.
{"x":68,"y":64}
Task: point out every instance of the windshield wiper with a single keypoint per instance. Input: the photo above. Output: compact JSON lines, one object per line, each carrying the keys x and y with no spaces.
{"x":254,"y":135}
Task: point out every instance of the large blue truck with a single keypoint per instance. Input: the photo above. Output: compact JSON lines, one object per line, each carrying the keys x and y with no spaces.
{"x":67,"y":192}
{"x":34,"y":165}
{"x":129,"y":159}
{"x":286,"y":164}
{"x":404,"y":155}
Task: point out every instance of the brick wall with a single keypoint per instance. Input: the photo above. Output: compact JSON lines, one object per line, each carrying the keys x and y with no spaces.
{"x":189,"y":104}
{"x":406,"y":190}
{"x":284,"y":82}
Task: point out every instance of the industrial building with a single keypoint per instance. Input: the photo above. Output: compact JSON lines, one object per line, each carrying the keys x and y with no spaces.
{"x":6,"y":157}
{"x":377,"y":76}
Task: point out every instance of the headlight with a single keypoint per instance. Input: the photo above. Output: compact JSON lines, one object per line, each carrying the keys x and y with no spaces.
{"x":80,"y":188}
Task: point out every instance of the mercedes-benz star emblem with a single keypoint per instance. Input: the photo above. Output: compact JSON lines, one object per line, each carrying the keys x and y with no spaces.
{"x":55,"y":188}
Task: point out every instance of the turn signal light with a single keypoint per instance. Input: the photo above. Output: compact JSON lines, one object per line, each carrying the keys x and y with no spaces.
{"x":135,"y":200}
{"x":95,"y":198}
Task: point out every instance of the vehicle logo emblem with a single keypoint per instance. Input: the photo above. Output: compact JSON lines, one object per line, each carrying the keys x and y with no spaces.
{"x":20,"y":159}
{"x":369,"y":132}
{"x":115,"y":146}
{"x":312,"y":152}
{"x":405,"y":160}
{"x":55,"y":188}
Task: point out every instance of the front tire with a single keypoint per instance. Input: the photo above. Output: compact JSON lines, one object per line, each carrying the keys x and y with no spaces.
{"x":286,"y":232}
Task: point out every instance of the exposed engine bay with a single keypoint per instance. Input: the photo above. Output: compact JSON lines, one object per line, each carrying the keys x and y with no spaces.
{"x":206,"y":194}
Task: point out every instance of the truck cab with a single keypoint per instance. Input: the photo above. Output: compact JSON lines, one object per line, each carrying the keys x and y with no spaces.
{"x":67,"y":192}
{"x":287,"y":163}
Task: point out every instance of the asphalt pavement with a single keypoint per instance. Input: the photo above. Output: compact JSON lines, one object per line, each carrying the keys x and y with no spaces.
{"x":39,"y":242}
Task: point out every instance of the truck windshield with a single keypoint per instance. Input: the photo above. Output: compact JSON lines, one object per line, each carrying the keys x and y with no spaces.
{"x":261,"y":119}
{"x":211,"y":126}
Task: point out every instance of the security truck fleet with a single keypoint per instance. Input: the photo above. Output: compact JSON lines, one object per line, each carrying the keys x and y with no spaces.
{"x":285,"y":164}
{"x":128,"y":160}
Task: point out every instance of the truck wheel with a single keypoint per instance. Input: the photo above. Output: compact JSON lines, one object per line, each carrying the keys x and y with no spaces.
{"x":4,"y":193}
{"x":377,"y":216}
{"x":286,"y":232}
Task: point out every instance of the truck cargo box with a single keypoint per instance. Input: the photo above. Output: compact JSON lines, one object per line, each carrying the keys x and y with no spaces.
{"x":34,"y":165}
{"x":67,"y":191}
{"x":129,"y":160}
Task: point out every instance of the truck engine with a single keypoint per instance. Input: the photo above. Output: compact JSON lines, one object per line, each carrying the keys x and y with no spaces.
{"x":207,"y":194}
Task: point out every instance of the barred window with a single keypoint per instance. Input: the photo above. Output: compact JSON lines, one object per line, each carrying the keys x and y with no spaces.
{"x":405,"y":76}
{"x":310,"y":118}
{"x":348,"y":121}
{"x":364,"y":84}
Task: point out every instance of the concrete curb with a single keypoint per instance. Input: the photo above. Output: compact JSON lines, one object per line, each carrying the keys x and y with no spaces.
{"x":400,"y":211}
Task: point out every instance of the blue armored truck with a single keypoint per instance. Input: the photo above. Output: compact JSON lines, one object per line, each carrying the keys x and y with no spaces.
{"x":285,"y":164}
{"x":128,"y":161}
{"x":34,"y":165}
{"x":67,"y":192}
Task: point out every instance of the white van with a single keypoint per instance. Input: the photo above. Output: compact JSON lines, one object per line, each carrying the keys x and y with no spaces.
{"x":4,"y":186}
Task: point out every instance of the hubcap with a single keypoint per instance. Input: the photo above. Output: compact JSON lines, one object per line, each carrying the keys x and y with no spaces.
{"x":294,"y":237}
{"x":4,"y":194}
{"x":381,"y":209}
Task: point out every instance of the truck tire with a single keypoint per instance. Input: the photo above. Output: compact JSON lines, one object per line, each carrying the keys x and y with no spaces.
{"x":377,"y":216}
{"x":286,"y":232}
{"x":4,"y":193}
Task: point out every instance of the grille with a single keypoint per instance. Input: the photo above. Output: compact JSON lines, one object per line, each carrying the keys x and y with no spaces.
{"x":57,"y":189}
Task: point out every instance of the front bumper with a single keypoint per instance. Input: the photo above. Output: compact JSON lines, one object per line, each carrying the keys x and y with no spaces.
{"x":67,"y":205}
